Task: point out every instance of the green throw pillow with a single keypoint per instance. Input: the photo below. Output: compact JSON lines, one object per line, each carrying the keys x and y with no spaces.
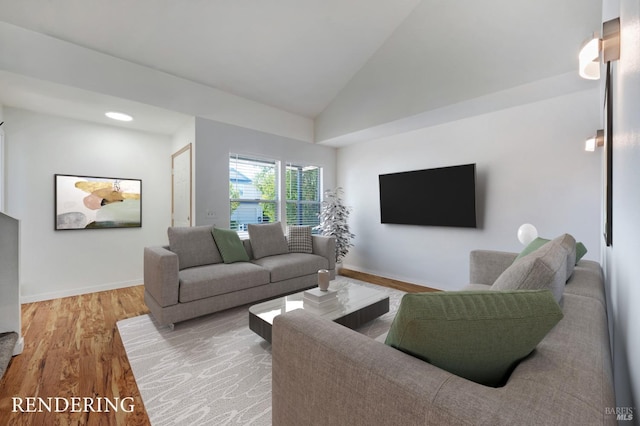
{"x":532,"y":246}
{"x":581,"y":250}
{"x":229,"y":244}
{"x":478,"y":335}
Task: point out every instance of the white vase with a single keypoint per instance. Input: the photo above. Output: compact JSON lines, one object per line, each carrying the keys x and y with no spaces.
{"x":323,"y":279}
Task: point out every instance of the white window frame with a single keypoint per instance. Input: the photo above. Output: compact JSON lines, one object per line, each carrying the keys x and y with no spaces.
{"x":301,"y":166}
{"x":276,"y":202}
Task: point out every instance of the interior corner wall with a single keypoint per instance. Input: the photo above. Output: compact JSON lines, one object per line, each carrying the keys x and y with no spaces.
{"x":620,"y":260}
{"x":2,"y":161}
{"x":64,"y":263}
{"x":531,"y":167}
{"x":215,"y":141}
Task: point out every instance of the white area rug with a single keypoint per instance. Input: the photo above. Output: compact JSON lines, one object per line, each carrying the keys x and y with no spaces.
{"x":211,"y":370}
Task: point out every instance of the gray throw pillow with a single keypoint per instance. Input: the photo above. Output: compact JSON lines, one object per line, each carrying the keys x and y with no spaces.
{"x":575,"y":251}
{"x":267,"y":240}
{"x":300,"y":239}
{"x":546,"y":268}
{"x":478,"y":335}
{"x":194,"y":246}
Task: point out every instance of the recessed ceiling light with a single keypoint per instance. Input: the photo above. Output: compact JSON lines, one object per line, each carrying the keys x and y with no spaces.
{"x":119,"y":116}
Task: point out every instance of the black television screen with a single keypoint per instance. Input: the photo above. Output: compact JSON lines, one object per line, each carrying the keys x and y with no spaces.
{"x":444,"y":196}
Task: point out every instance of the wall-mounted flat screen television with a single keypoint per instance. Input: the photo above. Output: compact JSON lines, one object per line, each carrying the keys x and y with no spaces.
{"x":444,"y":196}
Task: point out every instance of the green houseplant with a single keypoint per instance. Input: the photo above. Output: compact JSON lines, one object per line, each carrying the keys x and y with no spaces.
{"x":334,"y":216}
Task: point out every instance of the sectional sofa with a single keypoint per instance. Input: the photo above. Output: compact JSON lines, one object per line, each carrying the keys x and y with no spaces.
{"x":189,"y":277}
{"x":326,"y":374}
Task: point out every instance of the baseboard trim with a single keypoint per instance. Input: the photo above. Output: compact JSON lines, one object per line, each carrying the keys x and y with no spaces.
{"x":78,"y":291}
{"x":386,"y":282}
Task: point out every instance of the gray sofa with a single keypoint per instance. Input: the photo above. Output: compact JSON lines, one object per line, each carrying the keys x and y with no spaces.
{"x":326,"y":374}
{"x":188,"y":278}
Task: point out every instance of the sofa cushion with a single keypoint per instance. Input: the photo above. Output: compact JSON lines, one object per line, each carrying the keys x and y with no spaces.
{"x":230,"y":246}
{"x":299,"y":239}
{"x":267,"y":240}
{"x":478,"y":335}
{"x":194,"y":246}
{"x":292,"y":265}
{"x":545,"y":268}
{"x":575,"y":251}
{"x":212,"y":280}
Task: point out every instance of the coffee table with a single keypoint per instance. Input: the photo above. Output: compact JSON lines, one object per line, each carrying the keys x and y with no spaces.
{"x":355,"y":305}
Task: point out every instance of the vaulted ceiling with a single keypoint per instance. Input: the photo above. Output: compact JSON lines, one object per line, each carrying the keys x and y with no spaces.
{"x":307,"y":57}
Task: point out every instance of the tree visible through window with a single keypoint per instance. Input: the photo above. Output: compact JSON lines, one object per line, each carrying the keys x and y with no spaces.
{"x":253,"y":191}
{"x":254,"y":187}
{"x":303,"y":194}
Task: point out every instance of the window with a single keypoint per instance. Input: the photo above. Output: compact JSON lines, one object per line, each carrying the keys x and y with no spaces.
{"x":303,"y":194}
{"x":253,"y":191}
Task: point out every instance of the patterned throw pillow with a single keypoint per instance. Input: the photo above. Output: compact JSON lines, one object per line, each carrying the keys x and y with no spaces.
{"x":299,"y":239}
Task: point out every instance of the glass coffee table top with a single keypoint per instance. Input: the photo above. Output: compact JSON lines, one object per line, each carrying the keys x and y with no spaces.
{"x":353,"y":306}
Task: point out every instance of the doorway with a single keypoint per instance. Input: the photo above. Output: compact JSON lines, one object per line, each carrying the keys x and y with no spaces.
{"x":181,"y":187}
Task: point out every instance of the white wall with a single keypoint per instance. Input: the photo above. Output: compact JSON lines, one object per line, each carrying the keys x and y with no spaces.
{"x":531,"y":167}
{"x":620,"y":261}
{"x":63,"y":263}
{"x":215,"y":141}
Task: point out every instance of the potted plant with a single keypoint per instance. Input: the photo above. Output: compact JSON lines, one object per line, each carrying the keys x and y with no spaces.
{"x":334,"y":217}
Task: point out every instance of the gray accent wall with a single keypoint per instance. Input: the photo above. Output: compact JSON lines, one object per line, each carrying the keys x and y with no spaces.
{"x":531,"y":168}
{"x":215,"y":141}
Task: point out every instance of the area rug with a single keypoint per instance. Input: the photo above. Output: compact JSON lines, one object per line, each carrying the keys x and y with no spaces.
{"x":211,"y":370}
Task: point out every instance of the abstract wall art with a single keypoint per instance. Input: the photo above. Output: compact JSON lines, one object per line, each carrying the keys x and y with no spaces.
{"x":88,"y":202}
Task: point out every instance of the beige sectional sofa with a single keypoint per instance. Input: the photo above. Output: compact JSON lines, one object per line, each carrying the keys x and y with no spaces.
{"x":188,"y":278}
{"x":326,"y":374}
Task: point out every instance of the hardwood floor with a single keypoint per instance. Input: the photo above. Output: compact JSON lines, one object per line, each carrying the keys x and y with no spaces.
{"x":387,"y":282}
{"x":73,"y":349}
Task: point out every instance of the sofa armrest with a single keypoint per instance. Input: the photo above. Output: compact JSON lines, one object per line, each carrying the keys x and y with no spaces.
{"x":485,"y":266}
{"x":326,"y":374}
{"x":161,"y":275}
{"x":326,"y":247}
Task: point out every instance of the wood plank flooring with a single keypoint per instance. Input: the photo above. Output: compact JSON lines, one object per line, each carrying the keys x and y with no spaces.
{"x":73,"y":349}
{"x":387,"y":282}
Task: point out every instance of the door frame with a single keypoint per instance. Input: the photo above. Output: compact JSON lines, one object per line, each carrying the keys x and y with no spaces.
{"x":173,"y":158}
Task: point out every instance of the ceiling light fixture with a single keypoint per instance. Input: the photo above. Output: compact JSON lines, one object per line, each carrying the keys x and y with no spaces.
{"x":119,"y":116}
{"x":609,"y":45}
{"x":595,"y":141}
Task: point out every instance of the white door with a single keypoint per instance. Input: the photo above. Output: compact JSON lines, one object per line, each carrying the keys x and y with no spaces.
{"x":181,"y":187}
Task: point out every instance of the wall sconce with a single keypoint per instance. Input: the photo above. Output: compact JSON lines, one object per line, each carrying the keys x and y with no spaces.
{"x":609,"y":45}
{"x":593,"y":142}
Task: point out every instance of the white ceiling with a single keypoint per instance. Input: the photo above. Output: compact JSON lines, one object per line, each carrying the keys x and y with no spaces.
{"x":292,"y":54}
{"x":300,"y":55}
